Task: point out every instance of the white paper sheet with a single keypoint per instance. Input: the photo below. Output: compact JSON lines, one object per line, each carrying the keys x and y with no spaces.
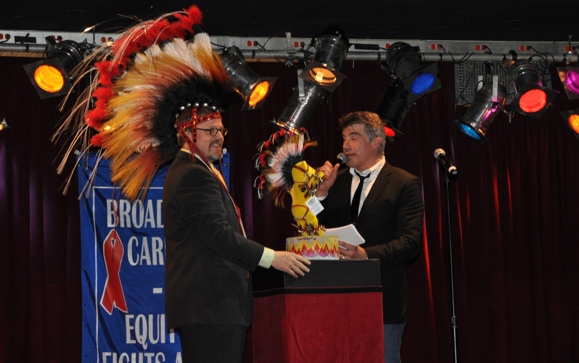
{"x":347,"y":234}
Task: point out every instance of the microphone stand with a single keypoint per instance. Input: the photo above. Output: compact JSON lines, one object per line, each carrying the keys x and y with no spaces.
{"x":453,"y":318}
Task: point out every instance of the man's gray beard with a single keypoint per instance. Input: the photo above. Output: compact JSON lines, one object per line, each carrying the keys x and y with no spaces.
{"x":212,"y":158}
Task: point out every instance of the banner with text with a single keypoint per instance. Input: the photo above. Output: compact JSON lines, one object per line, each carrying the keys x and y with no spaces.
{"x":123,"y":262}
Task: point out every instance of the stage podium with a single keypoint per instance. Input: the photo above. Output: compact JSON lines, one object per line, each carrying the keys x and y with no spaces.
{"x":331,"y":315}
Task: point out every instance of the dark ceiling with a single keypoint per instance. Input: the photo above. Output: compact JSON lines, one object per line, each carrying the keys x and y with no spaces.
{"x":509,"y":20}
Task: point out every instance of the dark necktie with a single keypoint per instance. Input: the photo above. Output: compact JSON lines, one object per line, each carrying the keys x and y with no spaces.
{"x":356,"y":199}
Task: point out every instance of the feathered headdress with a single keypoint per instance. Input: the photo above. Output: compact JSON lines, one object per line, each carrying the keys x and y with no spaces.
{"x":151,"y":73}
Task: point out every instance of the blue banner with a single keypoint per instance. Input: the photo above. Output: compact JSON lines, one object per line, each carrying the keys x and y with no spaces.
{"x":123,"y":263}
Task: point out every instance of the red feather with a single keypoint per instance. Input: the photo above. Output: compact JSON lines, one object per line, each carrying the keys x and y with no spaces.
{"x":186,"y":21}
{"x":103,"y":93}
{"x":262,"y":160}
{"x":94,"y":118}
{"x":97,"y":140}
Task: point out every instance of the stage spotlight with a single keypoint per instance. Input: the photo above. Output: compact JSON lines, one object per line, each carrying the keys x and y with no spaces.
{"x":571,"y":118}
{"x":317,"y":80}
{"x":4,"y":125}
{"x":532,"y":98}
{"x":331,"y":49}
{"x":569,"y":77}
{"x":405,"y":62}
{"x":488,"y":101}
{"x":51,"y":75}
{"x":252,"y":88}
{"x":394,"y":107}
{"x":306,"y":97}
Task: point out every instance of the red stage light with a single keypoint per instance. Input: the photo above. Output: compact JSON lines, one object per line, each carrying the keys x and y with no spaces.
{"x":533,"y":101}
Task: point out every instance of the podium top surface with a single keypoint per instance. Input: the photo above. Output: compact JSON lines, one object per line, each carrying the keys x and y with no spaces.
{"x":338,"y":273}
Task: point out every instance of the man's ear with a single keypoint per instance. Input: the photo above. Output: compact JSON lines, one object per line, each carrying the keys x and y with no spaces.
{"x":188,"y":132}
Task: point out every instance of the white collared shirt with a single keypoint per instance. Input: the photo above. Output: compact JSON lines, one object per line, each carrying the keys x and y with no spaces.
{"x":373,"y":172}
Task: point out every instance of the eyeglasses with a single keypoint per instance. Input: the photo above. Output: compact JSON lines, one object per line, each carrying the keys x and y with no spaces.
{"x":214,"y":130}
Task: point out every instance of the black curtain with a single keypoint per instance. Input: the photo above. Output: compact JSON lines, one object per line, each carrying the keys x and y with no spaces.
{"x":512,"y":214}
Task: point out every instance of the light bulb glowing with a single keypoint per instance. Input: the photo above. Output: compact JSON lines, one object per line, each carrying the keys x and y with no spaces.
{"x":258,"y":94}
{"x":533,"y":101}
{"x":49,"y":78}
{"x":573,"y":121}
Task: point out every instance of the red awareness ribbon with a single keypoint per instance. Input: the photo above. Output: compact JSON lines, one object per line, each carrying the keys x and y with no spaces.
{"x":113,"y":295}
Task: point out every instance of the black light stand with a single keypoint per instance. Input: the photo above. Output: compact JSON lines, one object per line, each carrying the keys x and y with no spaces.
{"x":450,"y":173}
{"x":453,"y":318}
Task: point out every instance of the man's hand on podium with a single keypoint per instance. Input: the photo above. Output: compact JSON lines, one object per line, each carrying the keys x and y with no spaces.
{"x":291,"y":263}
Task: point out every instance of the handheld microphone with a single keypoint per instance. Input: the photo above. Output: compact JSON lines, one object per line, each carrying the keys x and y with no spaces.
{"x":446,"y":164}
{"x":340,"y":158}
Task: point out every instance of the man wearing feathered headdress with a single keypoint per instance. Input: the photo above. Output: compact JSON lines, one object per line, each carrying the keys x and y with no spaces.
{"x":208,"y":286}
{"x":157,"y":97}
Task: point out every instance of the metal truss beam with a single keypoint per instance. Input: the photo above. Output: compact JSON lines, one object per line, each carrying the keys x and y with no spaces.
{"x":32,"y":43}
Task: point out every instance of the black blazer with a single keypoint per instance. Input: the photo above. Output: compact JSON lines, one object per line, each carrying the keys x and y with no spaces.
{"x":207,"y":278}
{"x":391,"y":222}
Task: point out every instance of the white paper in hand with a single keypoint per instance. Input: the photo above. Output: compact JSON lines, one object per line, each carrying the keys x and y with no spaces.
{"x":348,"y":234}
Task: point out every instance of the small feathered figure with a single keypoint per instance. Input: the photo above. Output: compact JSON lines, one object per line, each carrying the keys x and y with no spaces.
{"x":284,"y":171}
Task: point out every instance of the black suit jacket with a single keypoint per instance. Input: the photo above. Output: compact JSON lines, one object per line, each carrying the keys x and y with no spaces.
{"x":391,"y":222}
{"x":207,"y":278}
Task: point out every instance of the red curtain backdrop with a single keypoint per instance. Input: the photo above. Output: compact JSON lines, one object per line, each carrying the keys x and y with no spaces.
{"x":512,"y":221}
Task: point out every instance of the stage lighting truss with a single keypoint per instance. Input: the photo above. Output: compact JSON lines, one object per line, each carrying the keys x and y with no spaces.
{"x":331,"y":49}
{"x":249,"y":85}
{"x":489,"y":101}
{"x":532,"y":98}
{"x":405,"y":63}
{"x":571,"y":118}
{"x":569,"y":77}
{"x":51,"y":76}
